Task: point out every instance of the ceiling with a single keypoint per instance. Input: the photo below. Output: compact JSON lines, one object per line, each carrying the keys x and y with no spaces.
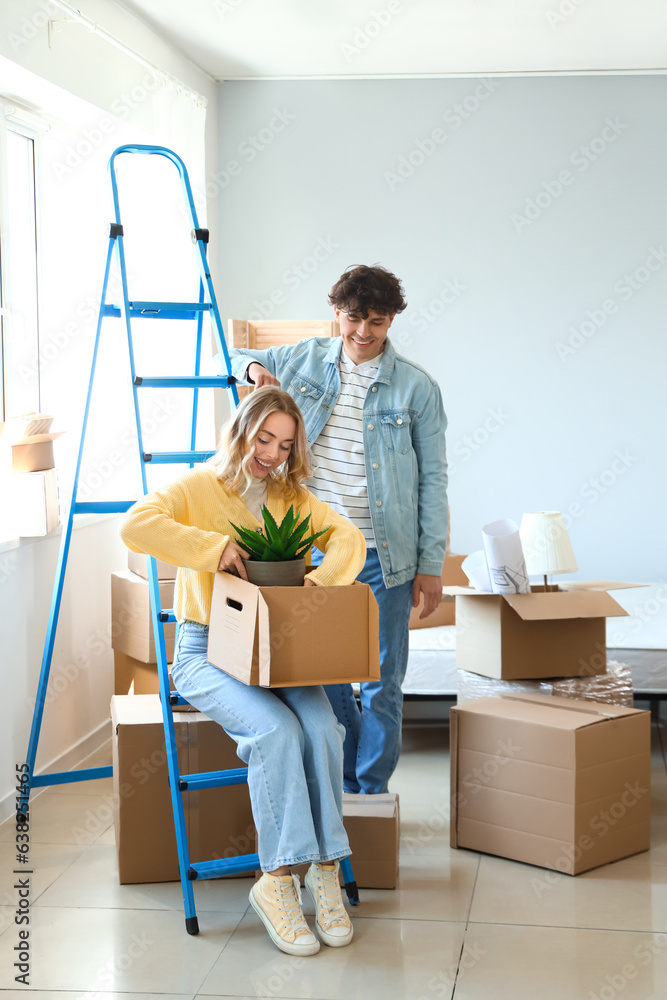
{"x":253,"y":39}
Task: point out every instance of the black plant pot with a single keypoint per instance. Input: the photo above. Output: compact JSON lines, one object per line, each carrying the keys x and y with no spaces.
{"x":276,"y":574}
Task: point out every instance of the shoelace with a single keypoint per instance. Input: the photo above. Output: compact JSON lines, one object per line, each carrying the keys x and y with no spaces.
{"x":290,"y":905}
{"x":333,"y":909}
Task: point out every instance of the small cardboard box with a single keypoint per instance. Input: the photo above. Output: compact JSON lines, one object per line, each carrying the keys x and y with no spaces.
{"x":35,"y":502}
{"x":452,"y":576}
{"x":559,"y":633}
{"x":290,"y":636}
{"x":136,"y":563}
{"x":134,"y":676}
{"x":218,"y":821}
{"x":34,"y":453}
{"x":549,"y":781}
{"x":372,"y":823}
{"x":131,"y":622}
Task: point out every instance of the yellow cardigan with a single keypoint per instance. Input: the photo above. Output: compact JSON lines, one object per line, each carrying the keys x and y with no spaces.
{"x":187,"y":524}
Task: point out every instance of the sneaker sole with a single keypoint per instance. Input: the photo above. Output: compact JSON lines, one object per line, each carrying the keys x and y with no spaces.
{"x":285,"y":946}
{"x":329,"y":939}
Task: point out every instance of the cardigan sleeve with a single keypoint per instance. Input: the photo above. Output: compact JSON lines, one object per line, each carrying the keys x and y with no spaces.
{"x":159,"y":525}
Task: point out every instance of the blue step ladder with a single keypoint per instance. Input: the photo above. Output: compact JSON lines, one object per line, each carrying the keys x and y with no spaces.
{"x":129,"y":310}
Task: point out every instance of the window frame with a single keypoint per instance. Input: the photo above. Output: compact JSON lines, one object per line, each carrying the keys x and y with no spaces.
{"x":16,"y":120}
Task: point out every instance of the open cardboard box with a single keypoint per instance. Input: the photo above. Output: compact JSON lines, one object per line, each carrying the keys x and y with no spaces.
{"x":554,"y":633}
{"x":291,"y":636}
{"x":550,"y":781}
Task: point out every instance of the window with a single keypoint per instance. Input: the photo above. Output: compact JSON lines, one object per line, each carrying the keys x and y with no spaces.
{"x":19,"y":385}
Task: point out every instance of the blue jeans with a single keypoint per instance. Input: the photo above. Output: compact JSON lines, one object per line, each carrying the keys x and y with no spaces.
{"x":293,"y":746}
{"x":373,"y":736}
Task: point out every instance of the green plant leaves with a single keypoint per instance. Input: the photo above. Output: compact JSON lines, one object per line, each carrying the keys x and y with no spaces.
{"x":282,"y":542}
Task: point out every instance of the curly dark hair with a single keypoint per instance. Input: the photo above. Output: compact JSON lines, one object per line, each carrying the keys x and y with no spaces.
{"x":361,"y":288}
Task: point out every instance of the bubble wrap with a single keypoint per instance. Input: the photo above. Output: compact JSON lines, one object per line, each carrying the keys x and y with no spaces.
{"x":614,"y":687}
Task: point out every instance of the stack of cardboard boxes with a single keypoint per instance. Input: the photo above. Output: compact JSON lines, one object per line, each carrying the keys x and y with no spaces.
{"x":561,"y":782}
{"x":34,"y":483}
{"x":218,"y":821}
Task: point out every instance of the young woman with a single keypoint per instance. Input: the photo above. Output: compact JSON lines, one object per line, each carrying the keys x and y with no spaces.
{"x":288,"y":737}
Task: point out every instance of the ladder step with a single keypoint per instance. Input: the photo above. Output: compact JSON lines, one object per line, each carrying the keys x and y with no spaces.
{"x":224,"y":866}
{"x":213,"y":779}
{"x":174,"y":457}
{"x":168,"y":616}
{"x":186,"y":382}
{"x":103,"y":506}
{"x":161,"y":310}
{"x":63,"y":777}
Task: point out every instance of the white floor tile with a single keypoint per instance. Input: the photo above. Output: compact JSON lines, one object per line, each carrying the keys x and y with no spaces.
{"x":117,"y":950}
{"x":522,"y":963}
{"x":92,"y":881}
{"x":392,"y":959}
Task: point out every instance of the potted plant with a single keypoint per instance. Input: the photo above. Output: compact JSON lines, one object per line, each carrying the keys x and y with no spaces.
{"x":277,"y":555}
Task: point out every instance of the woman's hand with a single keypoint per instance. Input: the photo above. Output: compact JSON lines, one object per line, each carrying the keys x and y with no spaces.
{"x":232,"y":559}
{"x":261,"y":376}
{"x":309,"y":583}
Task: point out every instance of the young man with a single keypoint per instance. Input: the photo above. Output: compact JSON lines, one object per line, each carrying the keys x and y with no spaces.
{"x":376,"y":425}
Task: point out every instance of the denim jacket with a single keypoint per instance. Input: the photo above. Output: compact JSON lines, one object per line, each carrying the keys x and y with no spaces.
{"x":404,"y":445}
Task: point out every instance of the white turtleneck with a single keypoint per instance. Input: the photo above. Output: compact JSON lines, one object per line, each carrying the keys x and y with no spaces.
{"x":254,"y":497}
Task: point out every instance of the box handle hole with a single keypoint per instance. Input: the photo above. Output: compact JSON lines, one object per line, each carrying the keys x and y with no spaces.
{"x":231,"y":603}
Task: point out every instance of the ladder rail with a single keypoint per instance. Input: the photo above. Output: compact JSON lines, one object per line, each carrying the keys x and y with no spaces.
{"x":126,"y":311}
{"x":65,"y":540}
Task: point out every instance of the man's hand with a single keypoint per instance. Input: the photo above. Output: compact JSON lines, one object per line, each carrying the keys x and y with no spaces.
{"x":232,"y":559}
{"x":431,"y":588}
{"x":261,"y":376}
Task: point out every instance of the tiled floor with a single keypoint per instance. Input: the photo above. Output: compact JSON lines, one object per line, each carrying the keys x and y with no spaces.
{"x":459,"y":925}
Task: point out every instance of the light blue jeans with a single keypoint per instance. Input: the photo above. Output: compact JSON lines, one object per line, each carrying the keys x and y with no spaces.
{"x":293,"y":746}
{"x":373,"y":736}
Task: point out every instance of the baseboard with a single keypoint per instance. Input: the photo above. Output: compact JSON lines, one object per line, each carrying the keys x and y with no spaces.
{"x":71,"y":758}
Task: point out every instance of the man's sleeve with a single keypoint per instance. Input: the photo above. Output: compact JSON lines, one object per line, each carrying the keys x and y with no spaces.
{"x":433,"y":509}
{"x":274,"y":360}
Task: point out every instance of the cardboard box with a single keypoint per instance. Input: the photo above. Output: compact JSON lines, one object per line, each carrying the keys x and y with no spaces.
{"x":34,"y":502}
{"x":134,"y":676}
{"x":34,"y":453}
{"x":31,"y":441}
{"x":373,"y":826}
{"x":218,"y":820}
{"x":552,"y":782}
{"x":131,"y":622}
{"x":452,"y":576}
{"x":136,"y":563}
{"x":558,"y":633}
{"x":289,"y":636}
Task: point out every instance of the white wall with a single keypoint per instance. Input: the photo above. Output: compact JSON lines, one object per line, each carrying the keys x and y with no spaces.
{"x":550,"y":359}
{"x":78,"y":83}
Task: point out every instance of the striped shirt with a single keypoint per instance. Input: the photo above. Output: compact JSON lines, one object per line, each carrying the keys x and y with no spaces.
{"x":340,"y":469}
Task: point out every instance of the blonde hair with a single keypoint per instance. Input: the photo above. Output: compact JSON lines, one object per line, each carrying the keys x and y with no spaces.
{"x":237,"y":443}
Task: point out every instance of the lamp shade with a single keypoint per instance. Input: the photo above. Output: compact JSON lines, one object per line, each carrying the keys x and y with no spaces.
{"x":546,"y":543}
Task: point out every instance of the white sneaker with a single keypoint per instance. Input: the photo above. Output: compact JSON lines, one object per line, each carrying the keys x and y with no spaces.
{"x":277,"y":901}
{"x":332,"y":921}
